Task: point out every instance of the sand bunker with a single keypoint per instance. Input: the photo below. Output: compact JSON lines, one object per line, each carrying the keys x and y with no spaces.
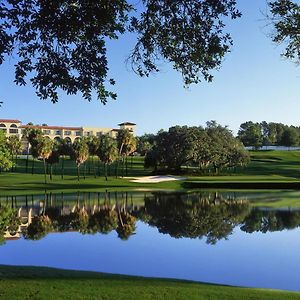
{"x":155,"y":179}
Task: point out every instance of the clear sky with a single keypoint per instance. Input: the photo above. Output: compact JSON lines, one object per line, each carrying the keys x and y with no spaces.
{"x":254,"y":83}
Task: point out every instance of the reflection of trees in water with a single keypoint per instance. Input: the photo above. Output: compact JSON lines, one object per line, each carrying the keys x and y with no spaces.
{"x":271,"y":220}
{"x":39,"y":228}
{"x":209,"y":215}
{"x":103,"y":221}
{"x":182,"y":216}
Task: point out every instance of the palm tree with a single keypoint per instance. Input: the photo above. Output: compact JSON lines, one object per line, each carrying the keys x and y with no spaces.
{"x":15,"y":146}
{"x":127,"y":145}
{"x":123,"y":138}
{"x":93,"y":143}
{"x":80,"y":153}
{"x":30,"y":134}
{"x":64,"y":148}
{"x":43,"y":149}
{"x":129,"y":149}
{"x":54,"y":156}
{"x":108,"y":151}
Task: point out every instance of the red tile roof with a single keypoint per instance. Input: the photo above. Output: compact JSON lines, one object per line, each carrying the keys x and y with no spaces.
{"x":9,"y":121}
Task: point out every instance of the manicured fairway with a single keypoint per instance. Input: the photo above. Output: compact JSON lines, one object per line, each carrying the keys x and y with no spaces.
{"x":47,"y":283}
{"x":267,"y":170}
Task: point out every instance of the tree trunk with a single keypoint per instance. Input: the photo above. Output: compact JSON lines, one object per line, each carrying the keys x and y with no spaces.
{"x":27,"y":158}
{"x":51,"y":166}
{"x":77,"y":172}
{"x":117,"y":167}
{"x":105,"y":170}
{"x":63,"y":167}
{"x":32,"y":166}
{"x":45,"y":173}
{"x":94,"y":169}
{"x":84,"y":170}
{"x":126,"y":162}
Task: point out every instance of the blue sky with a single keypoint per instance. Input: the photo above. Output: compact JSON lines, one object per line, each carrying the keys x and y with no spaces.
{"x":254,"y":83}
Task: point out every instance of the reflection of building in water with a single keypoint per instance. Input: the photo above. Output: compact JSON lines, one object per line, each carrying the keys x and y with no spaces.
{"x":192,"y":215}
{"x":25,"y":215}
{"x":38,"y":207}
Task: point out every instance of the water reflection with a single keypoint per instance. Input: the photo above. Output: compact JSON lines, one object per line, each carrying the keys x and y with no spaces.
{"x":212,"y":216}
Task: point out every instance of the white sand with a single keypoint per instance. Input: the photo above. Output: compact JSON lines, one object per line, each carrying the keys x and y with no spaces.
{"x":155,"y":179}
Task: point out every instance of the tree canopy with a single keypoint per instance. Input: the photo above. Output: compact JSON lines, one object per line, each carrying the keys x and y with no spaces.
{"x":213,"y":147}
{"x":63,"y":45}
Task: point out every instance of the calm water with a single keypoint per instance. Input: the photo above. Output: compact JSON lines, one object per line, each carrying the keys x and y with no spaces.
{"x":228,"y":238}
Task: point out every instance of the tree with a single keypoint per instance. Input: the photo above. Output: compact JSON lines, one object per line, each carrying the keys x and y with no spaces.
{"x":285,"y":18}
{"x":80,"y":153}
{"x":107,"y":151}
{"x":225,"y":151}
{"x":251,"y":134}
{"x":93,"y":143}
{"x":64,"y":148}
{"x":289,"y":137}
{"x":204,"y":148}
{"x":127,"y":145}
{"x":145,"y":143}
{"x":174,"y":147}
{"x":54,"y":156}
{"x":15,"y":146}
{"x":31,"y":134}
{"x":6,"y":162}
{"x":43,"y":148}
{"x":62,"y":44}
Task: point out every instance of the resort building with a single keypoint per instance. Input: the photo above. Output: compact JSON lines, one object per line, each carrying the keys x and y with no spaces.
{"x":15,"y":127}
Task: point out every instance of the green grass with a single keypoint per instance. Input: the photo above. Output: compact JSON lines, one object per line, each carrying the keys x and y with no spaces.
{"x":267,"y":169}
{"x":48,"y":283}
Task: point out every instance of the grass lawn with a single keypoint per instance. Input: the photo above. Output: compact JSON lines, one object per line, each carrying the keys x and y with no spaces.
{"x":48,"y":283}
{"x":267,"y":169}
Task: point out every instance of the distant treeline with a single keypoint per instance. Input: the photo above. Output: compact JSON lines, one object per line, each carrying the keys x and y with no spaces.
{"x":261,"y":134}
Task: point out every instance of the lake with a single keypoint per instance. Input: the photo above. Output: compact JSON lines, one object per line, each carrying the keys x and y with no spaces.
{"x":237,"y":238}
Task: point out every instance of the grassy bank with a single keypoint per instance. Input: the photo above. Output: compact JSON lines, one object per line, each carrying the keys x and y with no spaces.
{"x":48,"y":283}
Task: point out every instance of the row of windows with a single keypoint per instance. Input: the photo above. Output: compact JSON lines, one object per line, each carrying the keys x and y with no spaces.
{"x":11,"y":126}
{"x":11,"y":130}
{"x":59,"y":132}
{"x":55,"y":132}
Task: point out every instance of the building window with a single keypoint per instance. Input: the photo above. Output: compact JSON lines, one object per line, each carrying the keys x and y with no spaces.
{"x":99,"y":133}
{"x":58,"y":132}
{"x":13,"y":128}
{"x":47,"y":131}
{"x":87,"y":133}
{"x":3,"y":127}
{"x":67,"y":132}
{"x":78,"y":133}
